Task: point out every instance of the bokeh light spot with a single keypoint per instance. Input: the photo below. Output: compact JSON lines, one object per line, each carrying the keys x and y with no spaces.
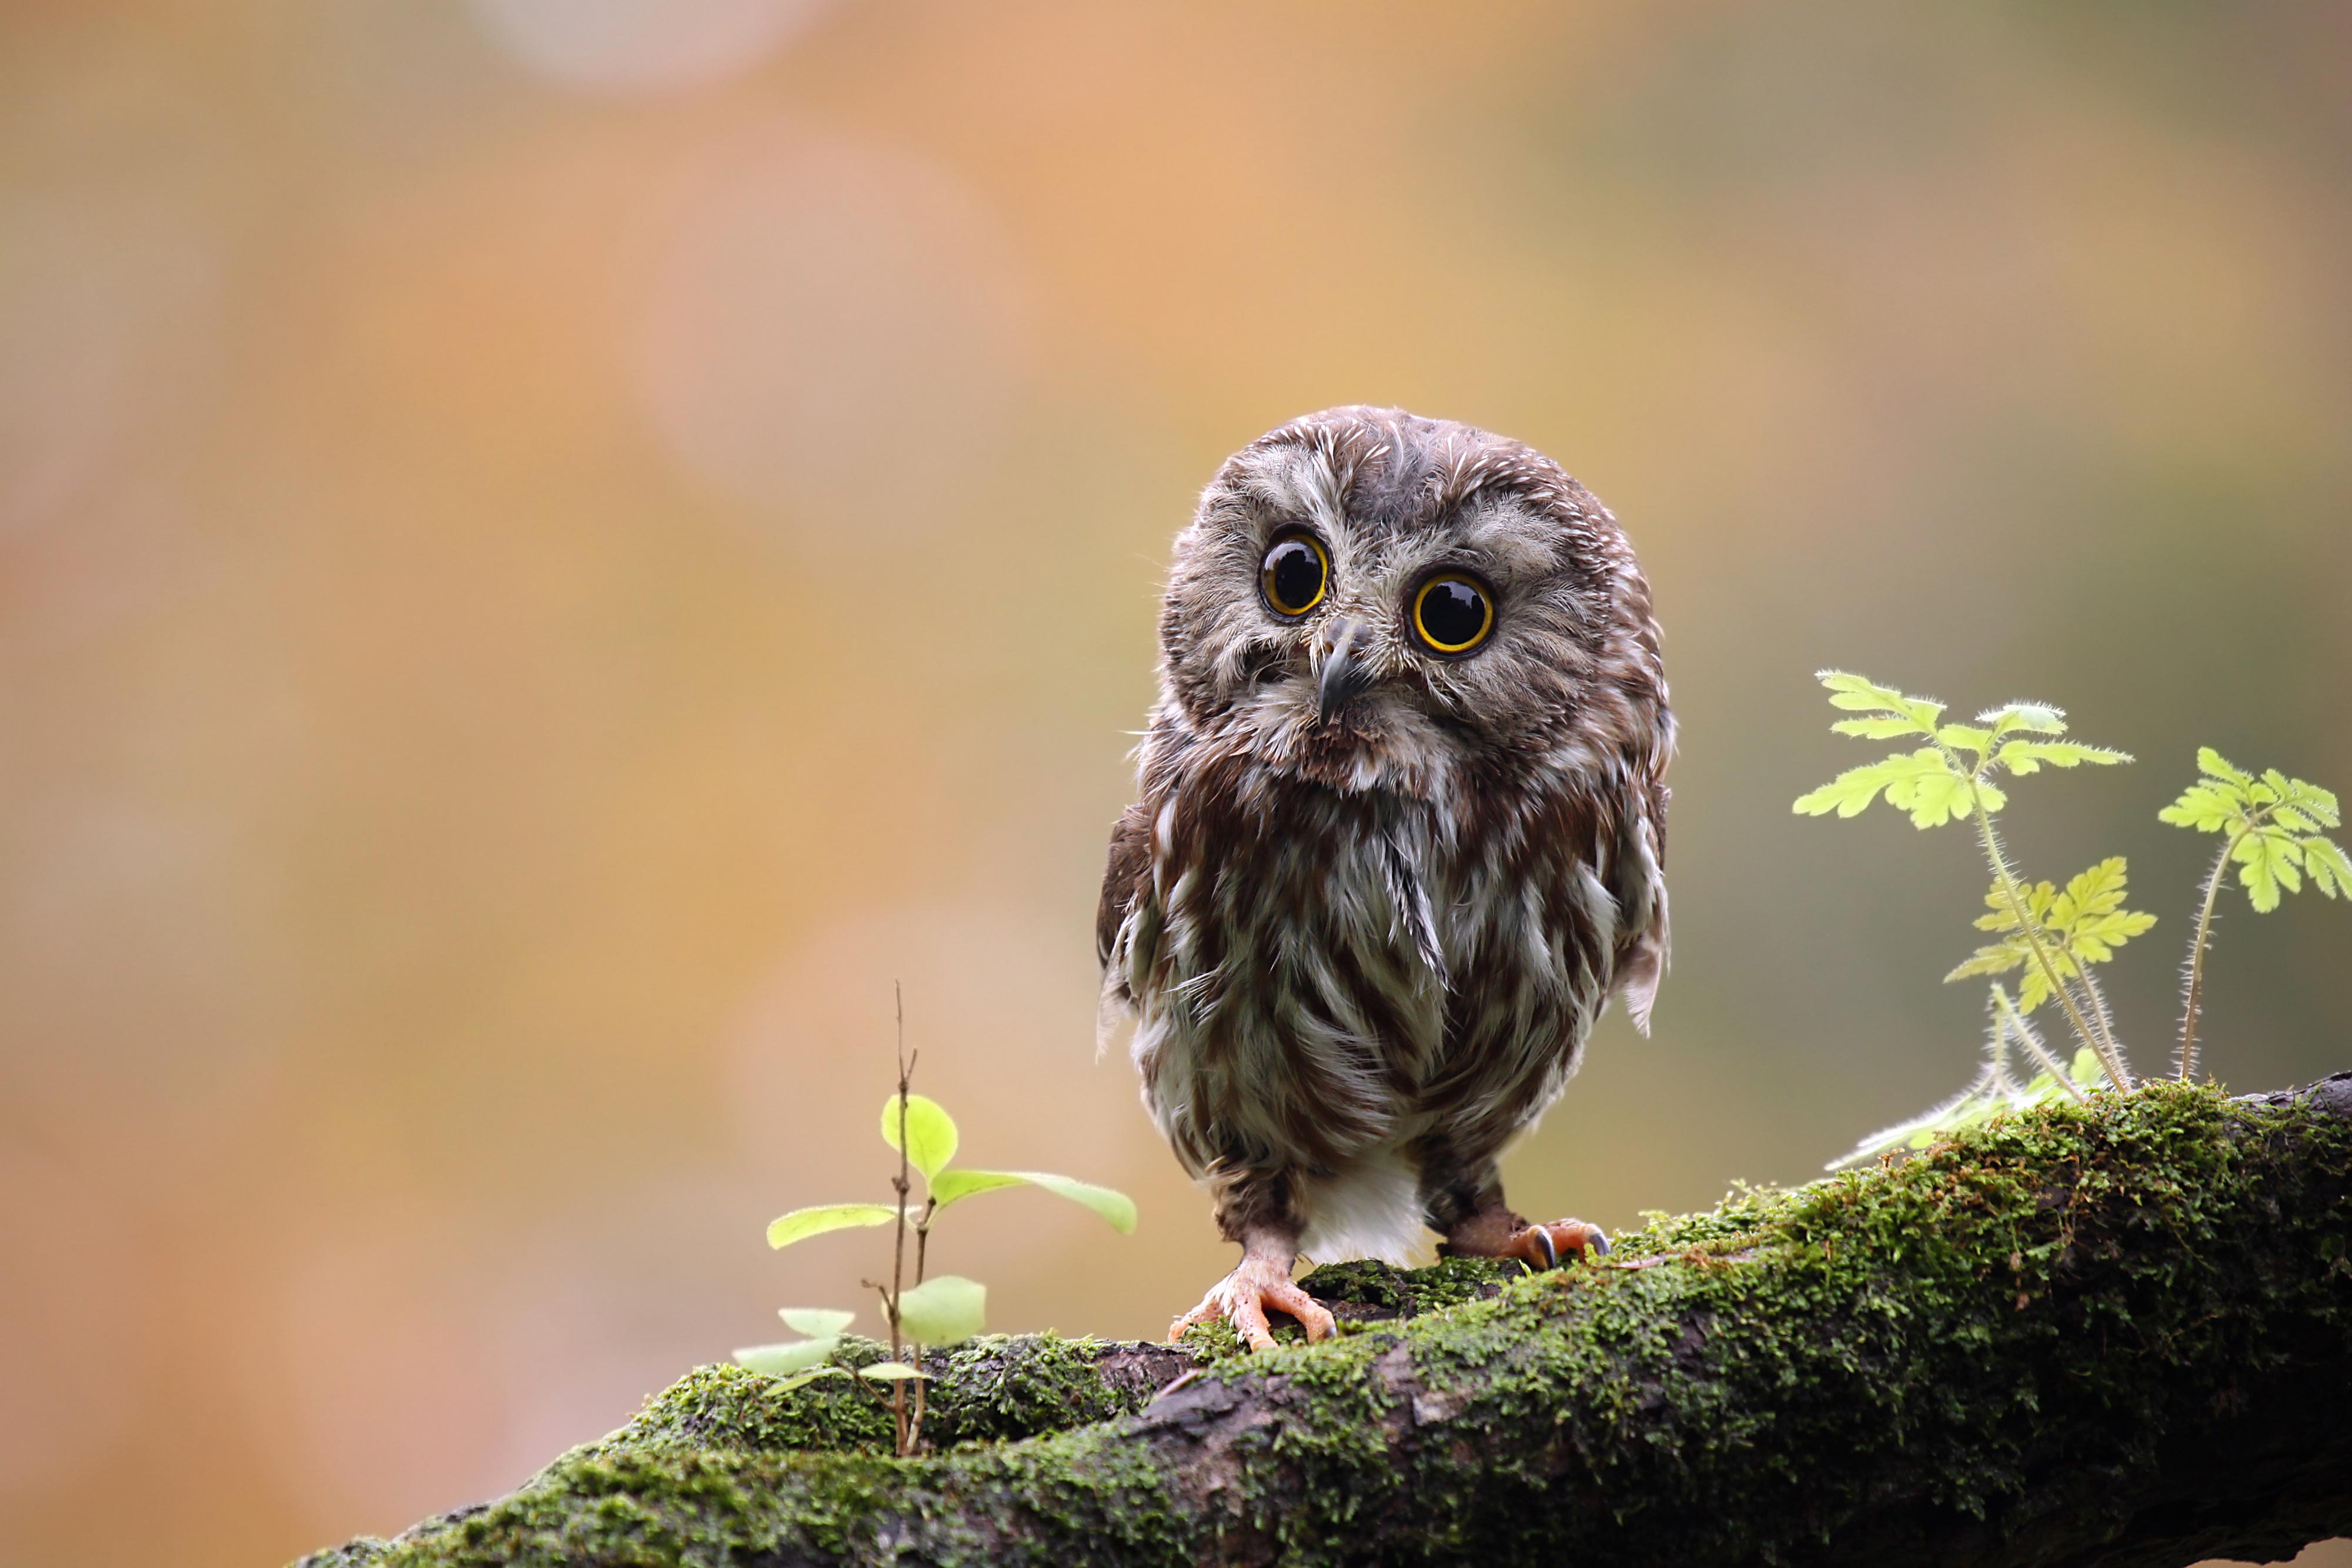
{"x":839,"y":337}
{"x":641,"y":46}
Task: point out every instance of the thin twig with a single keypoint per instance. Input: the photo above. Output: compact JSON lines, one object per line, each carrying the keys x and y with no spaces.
{"x":915,"y":1428}
{"x":2004,"y":1083}
{"x":2025,"y":1032}
{"x":923,"y":1234}
{"x":2098,"y":1000}
{"x":2185,"y":1058}
{"x":905,"y":1184}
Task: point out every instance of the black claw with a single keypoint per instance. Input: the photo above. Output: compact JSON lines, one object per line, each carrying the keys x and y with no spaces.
{"x":1543,"y":1244}
{"x":1599,"y":1245}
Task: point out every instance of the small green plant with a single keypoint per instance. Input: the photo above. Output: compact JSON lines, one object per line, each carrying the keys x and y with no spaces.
{"x":2047,"y":935}
{"x":1951,"y":779}
{"x":2270,"y":828}
{"x":2080,"y":926}
{"x":941,"y":1311}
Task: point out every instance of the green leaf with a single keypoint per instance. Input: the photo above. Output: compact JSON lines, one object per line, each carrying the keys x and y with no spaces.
{"x":1848,"y":690}
{"x":783,"y":1360}
{"x":891,"y":1372}
{"x":1879,"y":729}
{"x":1933,"y":800}
{"x":2097,"y":891}
{"x":1848,"y":793}
{"x":1998,"y":960}
{"x":1963,"y":738}
{"x":2094,"y":940}
{"x":2027,"y":755}
{"x":2330,"y":871}
{"x":1933,"y":790}
{"x":2267,"y":861}
{"x":2206,"y":807}
{"x":956,"y":1184}
{"x":2037,"y":897}
{"x":2086,"y":1068}
{"x":2034,"y":987}
{"x":930,"y":1132}
{"x":817,"y":1322}
{"x":947,"y":1310}
{"x":804,"y":1379}
{"x":2301,"y":797}
{"x":1113,"y":1207}
{"x":2273,"y":825}
{"x":802,"y":1223}
{"x":1923,"y":783}
{"x":2035,"y":719}
{"x":1861,"y":694}
{"x":2084,"y":924}
{"x":2212,"y":764}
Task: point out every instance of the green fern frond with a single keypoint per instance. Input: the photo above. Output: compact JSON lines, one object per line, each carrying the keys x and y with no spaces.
{"x":2081,"y":925}
{"x":2273,"y":827}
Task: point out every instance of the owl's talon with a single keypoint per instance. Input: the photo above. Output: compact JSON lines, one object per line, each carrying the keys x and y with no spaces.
{"x":1542,"y":1247}
{"x":1241,"y":1297}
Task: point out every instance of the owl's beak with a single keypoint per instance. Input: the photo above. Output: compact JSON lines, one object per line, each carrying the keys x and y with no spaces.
{"x":1345,"y":676}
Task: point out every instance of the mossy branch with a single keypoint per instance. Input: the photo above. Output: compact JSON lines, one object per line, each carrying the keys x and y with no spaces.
{"x":2112,"y":1333}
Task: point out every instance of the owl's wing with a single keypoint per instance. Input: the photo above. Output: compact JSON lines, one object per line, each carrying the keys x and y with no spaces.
{"x":1126,"y":877}
{"x":1638,"y":881}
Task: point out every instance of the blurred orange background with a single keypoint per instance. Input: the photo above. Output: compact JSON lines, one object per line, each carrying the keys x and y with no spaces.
{"x":552,"y":550}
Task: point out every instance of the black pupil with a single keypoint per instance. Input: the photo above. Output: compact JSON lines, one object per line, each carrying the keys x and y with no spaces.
{"x":1453,"y":613}
{"x":1293,"y":575}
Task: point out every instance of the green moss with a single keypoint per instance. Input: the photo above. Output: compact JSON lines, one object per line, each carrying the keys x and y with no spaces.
{"x":1213,"y":1343}
{"x":2015,"y":1315}
{"x":730,"y":1408}
{"x":363,"y":1553}
{"x":1364,"y":1293}
{"x":1408,"y":1293}
{"x":999,"y":1388}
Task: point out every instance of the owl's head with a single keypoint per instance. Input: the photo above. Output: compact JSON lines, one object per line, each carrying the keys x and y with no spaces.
{"x":1370,"y":599}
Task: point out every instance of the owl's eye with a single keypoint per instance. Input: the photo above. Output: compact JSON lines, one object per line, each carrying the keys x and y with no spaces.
{"x":1453,"y":613}
{"x":1295,"y":575}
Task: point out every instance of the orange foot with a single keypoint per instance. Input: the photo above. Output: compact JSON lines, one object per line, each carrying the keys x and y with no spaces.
{"x":1241,"y":1297}
{"x":1545,"y":1246}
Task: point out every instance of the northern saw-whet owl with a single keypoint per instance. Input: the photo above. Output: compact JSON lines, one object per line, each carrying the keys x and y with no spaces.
{"x":1400,"y":837}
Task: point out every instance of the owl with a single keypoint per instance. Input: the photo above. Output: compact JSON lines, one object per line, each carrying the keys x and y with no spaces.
{"x":1400,"y":837}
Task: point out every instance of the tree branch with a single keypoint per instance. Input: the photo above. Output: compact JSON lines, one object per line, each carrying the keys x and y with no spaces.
{"x":2118,"y":1334}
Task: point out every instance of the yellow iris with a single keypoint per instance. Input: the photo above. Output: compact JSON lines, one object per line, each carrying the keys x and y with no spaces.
{"x":1295,"y":575}
{"x":1453,"y":613}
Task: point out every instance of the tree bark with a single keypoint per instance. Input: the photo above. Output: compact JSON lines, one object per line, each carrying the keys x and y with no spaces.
{"x":2118,"y":1334}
